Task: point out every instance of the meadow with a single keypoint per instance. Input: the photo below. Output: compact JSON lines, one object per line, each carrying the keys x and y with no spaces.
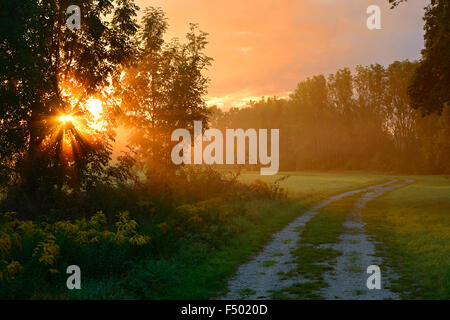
{"x":318,"y":185}
{"x":190,"y":249}
{"x":410,"y":226}
{"x":413,"y":225}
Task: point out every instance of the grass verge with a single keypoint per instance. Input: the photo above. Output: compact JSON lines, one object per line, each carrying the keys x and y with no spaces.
{"x":413,"y":226}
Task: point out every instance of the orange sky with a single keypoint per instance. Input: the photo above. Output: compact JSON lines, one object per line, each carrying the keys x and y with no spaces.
{"x":265,"y":47}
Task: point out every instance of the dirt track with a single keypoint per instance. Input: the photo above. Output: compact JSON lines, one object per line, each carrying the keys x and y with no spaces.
{"x":258,"y":277}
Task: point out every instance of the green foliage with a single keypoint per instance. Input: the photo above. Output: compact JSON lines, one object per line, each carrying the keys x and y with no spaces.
{"x":428,"y":88}
{"x":395,"y":3}
{"x":41,"y":57}
{"x":413,"y":230}
{"x":35,"y":255}
{"x":269,"y":190}
{"x":152,"y":85}
{"x":142,"y":248}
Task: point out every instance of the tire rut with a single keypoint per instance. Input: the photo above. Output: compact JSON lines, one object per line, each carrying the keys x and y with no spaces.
{"x":257,"y":278}
{"x":348,"y":279}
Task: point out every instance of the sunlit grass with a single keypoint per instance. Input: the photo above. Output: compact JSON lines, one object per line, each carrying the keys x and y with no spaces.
{"x":414,"y":225}
{"x":315,"y":186}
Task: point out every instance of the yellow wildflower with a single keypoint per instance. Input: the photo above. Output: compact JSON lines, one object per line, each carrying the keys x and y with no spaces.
{"x":50,"y":251}
{"x":17,"y":240}
{"x":27,"y":228}
{"x":125,"y":225}
{"x":9,"y":215}
{"x":82,"y":237}
{"x":5,"y":243}
{"x":66,"y":227}
{"x":119,"y":238}
{"x":14,"y":268}
{"x":139,"y":240}
{"x":98,"y":220}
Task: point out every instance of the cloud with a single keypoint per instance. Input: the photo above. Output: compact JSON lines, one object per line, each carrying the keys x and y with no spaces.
{"x":265,"y":47}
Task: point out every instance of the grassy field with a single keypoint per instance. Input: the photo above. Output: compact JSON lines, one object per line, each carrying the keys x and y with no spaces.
{"x":315,"y":186}
{"x":413,"y":224}
{"x":305,"y":189}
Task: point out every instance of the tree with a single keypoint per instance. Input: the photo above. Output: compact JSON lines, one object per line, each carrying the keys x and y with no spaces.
{"x":340,"y":86}
{"x":400,"y":117}
{"x":429,"y":88}
{"x":48,"y":73}
{"x":164,"y":90}
{"x":395,"y":3}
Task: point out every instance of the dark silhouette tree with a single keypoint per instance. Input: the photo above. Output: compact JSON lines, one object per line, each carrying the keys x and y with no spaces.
{"x":163,"y":91}
{"x":429,"y":88}
{"x":41,"y":59}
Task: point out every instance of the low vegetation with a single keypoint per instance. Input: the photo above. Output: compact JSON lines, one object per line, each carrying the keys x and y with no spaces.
{"x":152,"y":250}
{"x":413,"y":226}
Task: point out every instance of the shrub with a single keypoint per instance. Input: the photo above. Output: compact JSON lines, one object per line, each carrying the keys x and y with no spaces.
{"x":34,"y":253}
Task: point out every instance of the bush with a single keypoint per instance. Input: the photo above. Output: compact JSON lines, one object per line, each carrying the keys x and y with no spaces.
{"x":143,"y":231}
{"x":37,"y":253}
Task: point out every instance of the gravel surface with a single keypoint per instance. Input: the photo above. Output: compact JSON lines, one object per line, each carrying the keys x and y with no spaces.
{"x":348,"y":279}
{"x":258,"y":277}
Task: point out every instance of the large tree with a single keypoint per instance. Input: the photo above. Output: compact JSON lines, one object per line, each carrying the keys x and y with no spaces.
{"x":47,"y":74}
{"x":429,"y":88}
{"x":164,"y":90}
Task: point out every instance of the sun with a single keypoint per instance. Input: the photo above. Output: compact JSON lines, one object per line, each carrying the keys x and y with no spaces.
{"x":66,"y":118}
{"x":84,"y":124}
{"x":81,"y":123}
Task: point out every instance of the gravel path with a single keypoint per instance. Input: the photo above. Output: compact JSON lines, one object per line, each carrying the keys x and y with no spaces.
{"x":348,"y":279}
{"x":256,"y":278}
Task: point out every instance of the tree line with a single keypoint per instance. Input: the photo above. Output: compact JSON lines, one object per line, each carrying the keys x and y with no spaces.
{"x":361,"y":120}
